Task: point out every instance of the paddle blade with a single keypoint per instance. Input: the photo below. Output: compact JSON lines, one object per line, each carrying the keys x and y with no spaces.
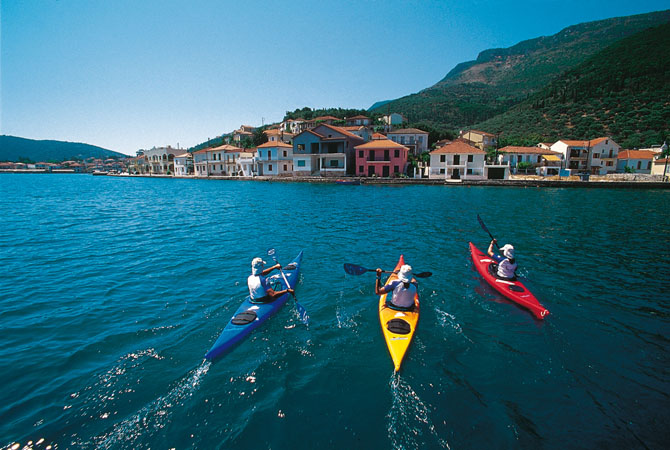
{"x":291,"y":266}
{"x":271,"y":252}
{"x":481,"y":223}
{"x":353,"y":269}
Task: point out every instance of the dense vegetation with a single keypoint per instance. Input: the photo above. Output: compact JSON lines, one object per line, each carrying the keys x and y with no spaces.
{"x":309,"y":113}
{"x":622,"y":92}
{"x":501,"y":78}
{"x":28,"y":150}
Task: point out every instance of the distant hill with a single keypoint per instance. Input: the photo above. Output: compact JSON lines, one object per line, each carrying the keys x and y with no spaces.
{"x":622,"y":91}
{"x":478,"y":90}
{"x":14,"y":148}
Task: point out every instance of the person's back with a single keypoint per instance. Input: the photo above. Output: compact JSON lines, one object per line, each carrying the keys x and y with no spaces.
{"x":402,"y":290}
{"x":403,"y":294}
{"x":257,"y":287}
{"x":506,"y":263}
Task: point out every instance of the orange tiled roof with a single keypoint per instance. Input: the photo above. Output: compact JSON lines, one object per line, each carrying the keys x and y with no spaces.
{"x":271,"y":131}
{"x":587,"y":143}
{"x":408,"y":131}
{"x":483,"y":133}
{"x":325,"y":118}
{"x":275,"y":144}
{"x":530,"y":150}
{"x":353,"y":127}
{"x":458,"y":147}
{"x":378,"y":136}
{"x":380,"y":144}
{"x":636,"y":154}
{"x":225,"y":148}
{"x":339,"y":130}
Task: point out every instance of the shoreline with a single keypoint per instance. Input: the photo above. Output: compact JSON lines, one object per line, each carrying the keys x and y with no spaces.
{"x":521,"y":182}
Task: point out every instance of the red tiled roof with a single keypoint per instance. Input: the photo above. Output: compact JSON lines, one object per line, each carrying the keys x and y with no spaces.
{"x":380,"y":144}
{"x":662,"y":161}
{"x":529,"y":150}
{"x":378,"y":136}
{"x":275,"y":144}
{"x":340,"y":130}
{"x":326,"y":118}
{"x":636,"y":154}
{"x":458,"y":147}
{"x":408,"y":131}
{"x":587,"y":143}
{"x":353,"y":127}
{"x":225,"y":148}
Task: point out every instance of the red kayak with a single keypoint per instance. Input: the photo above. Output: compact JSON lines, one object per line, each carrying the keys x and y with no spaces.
{"x":512,"y":289}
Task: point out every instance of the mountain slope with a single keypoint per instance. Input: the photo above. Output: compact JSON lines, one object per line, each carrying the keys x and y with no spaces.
{"x":12,"y":148}
{"x":500,"y":78}
{"x":623,"y":91}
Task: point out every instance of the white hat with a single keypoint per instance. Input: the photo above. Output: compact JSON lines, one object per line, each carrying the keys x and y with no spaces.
{"x":508,"y":251}
{"x":405,"y":273}
{"x":257,"y":266}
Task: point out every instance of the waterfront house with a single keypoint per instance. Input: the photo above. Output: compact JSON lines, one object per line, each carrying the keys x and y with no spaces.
{"x":660,"y":167}
{"x":541,"y":161}
{"x":159,"y":159}
{"x":638,"y":161}
{"x":595,"y":156}
{"x":274,"y":159}
{"x":358,"y":121}
{"x":325,"y":150}
{"x":277,"y":134}
{"x":247,"y":162}
{"x":244,"y":132}
{"x":361,"y":131}
{"x":201,"y":162}
{"x":413,"y":138}
{"x":183,"y":165}
{"x":381,"y":158}
{"x":231,"y":160}
{"x":459,"y":160}
{"x":480,"y":139}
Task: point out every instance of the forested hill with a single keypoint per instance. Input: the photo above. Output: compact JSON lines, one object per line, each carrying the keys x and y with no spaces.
{"x":622,"y":92}
{"x":15,"y":148}
{"x":501,"y":78}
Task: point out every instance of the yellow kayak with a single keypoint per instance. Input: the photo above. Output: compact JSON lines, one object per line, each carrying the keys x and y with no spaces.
{"x":398,"y":326}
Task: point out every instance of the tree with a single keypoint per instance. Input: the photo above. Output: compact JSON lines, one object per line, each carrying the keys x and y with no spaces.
{"x":259,"y":137}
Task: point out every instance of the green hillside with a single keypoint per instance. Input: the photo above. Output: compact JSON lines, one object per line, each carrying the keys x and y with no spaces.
{"x":501,"y":78}
{"x":622,"y":92}
{"x":15,"y":148}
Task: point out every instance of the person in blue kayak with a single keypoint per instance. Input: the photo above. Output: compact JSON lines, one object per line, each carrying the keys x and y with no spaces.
{"x":506,"y":262}
{"x":259,"y":291}
{"x":403,"y":289}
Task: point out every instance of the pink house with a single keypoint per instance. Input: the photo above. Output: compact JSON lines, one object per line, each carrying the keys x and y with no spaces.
{"x":381,"y":157}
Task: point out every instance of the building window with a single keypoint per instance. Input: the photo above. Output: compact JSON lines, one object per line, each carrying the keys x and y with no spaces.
{"x":301,"y":163}
{"x":361,"y":153}
{"x":443,"y":158}
{"x":469,"y":171}
{"x":609,"y":163}
{"x":360,"y":169}
{"x":301,"y":147}
{"x":471,"y":158}
{"x":285,"y":168}
{"x":386,"y":155}
{"x":396,"y":153}
{"x":639,"y":164}
{"x":270,"y":167}
{"x":285,"y":154}
{"x":420,"y":139}
{"x":333,"y":163}
{"x":441,"y":171}
{"x":396,"y":169}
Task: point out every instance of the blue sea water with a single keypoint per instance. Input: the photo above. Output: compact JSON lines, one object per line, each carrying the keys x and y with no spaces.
{"x":113,"y":289}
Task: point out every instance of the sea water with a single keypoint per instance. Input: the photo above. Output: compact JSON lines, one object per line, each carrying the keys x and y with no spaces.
{"x":112,"y":290}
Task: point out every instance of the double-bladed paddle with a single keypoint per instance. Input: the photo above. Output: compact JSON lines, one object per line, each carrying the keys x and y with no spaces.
{"x":302,"y":312}
{"x":353,"y":269}
{"x":481,"y":222}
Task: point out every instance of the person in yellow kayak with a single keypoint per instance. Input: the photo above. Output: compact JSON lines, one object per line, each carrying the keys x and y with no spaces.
{"x":259,"y":290}
{"x":403,"y":289}
{"x":506,"y":262}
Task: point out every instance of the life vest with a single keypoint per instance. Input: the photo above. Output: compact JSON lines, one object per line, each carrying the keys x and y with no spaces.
{"x":402,"y":297}
{"x":507,"y":269}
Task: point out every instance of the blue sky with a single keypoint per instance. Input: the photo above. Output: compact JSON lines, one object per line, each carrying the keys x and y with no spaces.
{"x":131,"y":74}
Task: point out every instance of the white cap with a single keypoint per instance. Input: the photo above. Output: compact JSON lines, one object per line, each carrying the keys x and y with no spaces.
{"x":257,"y":266}
{"x":405,"y":273}
{"x":508,"y":251}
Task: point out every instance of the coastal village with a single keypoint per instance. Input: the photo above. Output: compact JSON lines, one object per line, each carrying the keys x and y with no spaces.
{"x":354,"y":148}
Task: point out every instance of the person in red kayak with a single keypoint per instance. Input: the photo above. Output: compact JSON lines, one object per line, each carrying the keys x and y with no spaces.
{"x":403,"y":290}
{"x":259,"y":291}
{"x":506,"y":262}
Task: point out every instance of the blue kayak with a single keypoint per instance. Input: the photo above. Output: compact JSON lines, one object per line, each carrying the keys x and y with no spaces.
{"x":250,"y":315}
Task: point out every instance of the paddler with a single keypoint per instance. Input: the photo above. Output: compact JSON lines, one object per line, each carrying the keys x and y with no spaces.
{"x":506,"y":262}
{"x":259,"y":291}
{"x":403,"y":289}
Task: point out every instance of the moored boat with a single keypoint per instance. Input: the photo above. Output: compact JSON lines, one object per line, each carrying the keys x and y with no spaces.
{"x":398,"y":326}
{"x":513,"y":290}
{"x":349,"y":182}
{"x":250,"y":315}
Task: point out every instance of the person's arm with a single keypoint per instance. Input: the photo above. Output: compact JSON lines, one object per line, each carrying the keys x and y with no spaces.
{"x":490,"y":250}
{"x":379,"y":289}
{"x":270,"y":269}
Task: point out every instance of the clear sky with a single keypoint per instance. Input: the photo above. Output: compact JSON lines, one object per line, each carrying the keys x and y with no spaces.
{"x":131,"y":74}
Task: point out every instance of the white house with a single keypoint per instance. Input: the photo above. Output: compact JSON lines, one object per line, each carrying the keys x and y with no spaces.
{"x":660,"y":167}
{"x":183,"y":165}
{"x":274,"y":159}
{"x":394,"y":119}
{"x":247,"y":162}
{"x":161,"y":159}
{"x":547,"y":161}
{"x":596,"y":156}
{"x":413,"y":138}
{"x":479,"y":139}
{"x":458,"y":160}
{"x":638,"y":161}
